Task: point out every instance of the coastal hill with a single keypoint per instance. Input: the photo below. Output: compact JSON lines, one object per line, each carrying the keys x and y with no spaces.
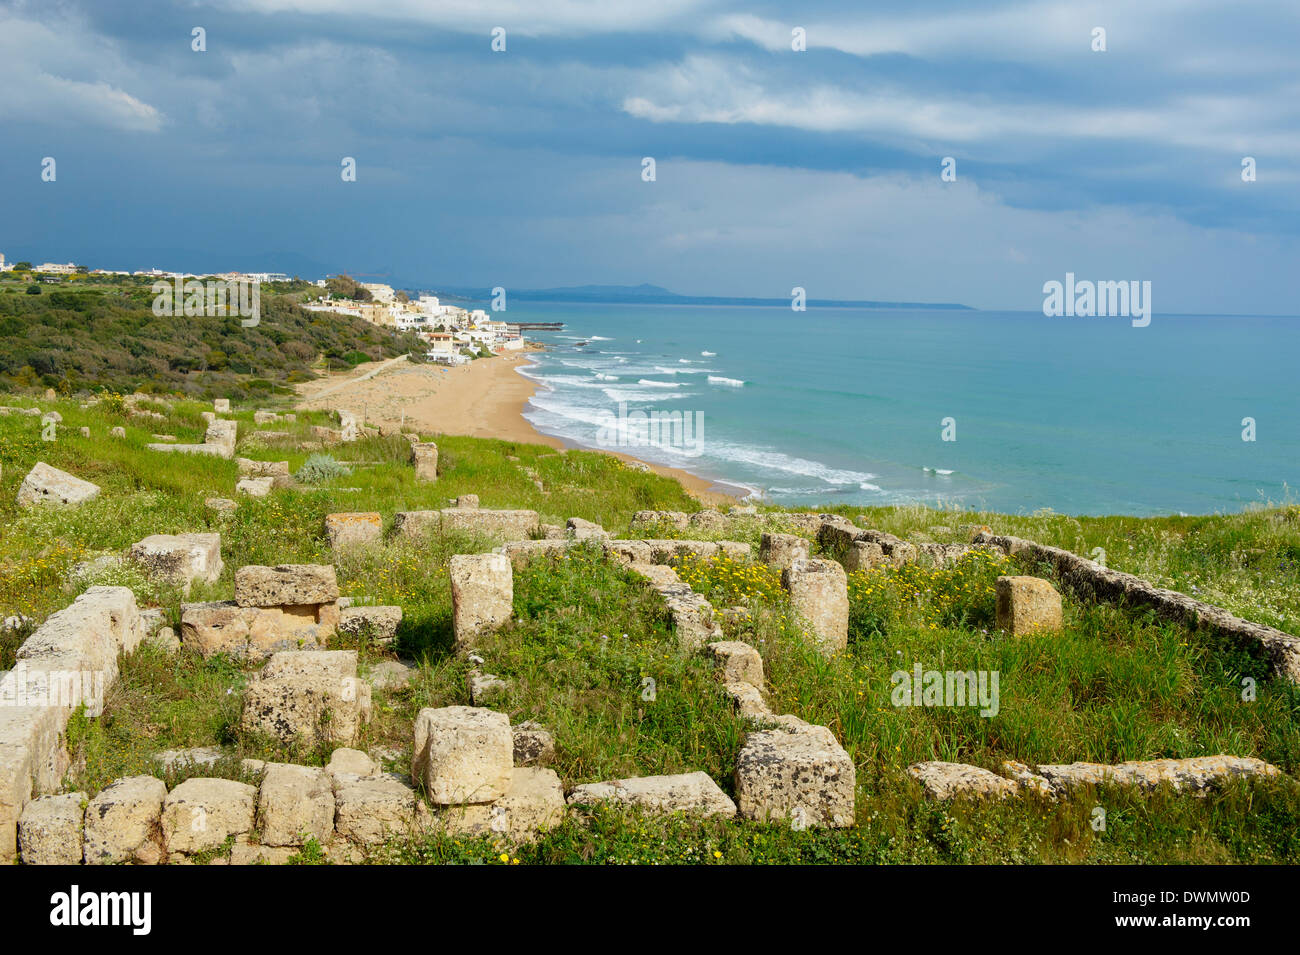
{"x":87,"y":335}
{"x":646,"y":294}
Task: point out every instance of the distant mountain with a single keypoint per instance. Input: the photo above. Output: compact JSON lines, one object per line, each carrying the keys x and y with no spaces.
{"x":646,"y":294}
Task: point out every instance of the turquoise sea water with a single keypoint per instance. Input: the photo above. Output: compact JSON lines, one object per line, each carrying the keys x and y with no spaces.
{"x":1081,"y":415}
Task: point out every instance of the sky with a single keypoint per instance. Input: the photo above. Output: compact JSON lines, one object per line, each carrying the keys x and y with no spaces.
{"x":774,"y":167}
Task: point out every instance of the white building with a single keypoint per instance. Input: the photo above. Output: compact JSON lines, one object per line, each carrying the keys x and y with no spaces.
{"x":339,"y":308}
{"x":380,"y":292}
{"x":405,"y":321}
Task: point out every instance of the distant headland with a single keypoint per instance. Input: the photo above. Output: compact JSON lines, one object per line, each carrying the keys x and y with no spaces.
{"x":646,"y":294}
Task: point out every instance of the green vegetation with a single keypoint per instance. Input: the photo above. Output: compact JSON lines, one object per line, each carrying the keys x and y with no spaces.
{"x":83,"y":335}
{"x":1115,"y":685}
{"x":320,"y":468}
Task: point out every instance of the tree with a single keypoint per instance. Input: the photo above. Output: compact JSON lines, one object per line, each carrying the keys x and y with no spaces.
{"x":345,"y":286}
{"x":22,"y":266}
{"x":33,"y":289}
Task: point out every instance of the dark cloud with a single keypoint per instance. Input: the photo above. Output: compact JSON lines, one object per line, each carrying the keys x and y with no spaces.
{"x":774,"y":168}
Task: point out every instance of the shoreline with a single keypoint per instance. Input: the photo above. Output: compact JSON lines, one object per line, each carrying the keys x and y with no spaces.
{"x":483,"y":399}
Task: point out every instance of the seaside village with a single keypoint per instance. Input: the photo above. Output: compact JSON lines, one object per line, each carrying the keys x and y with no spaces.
{"x":454,"y":335}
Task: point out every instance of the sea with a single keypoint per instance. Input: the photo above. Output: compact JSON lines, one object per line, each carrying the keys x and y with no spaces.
{"x":1008,"y":411}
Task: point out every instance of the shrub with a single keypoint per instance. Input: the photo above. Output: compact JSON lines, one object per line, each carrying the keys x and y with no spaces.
{"x":320,"y":468}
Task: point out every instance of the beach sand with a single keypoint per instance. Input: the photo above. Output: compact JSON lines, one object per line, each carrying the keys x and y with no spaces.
{"x":483,"y":399}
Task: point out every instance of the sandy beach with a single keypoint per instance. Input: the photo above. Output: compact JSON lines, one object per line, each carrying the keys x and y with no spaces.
{"x":483,"y":399}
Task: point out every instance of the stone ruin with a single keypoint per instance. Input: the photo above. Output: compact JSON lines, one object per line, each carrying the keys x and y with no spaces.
{"x":482,"y":595}
{"x":1089,"y":580}
{"x":787,"y":769}
{"x":262,"y":416}
{"x":482,"y":776}
{"x":819,"y":595}
{"x":780,"y":550}
{"x":353,"y":529}
{"x":219,"y":440}
{"x":501,"y":524}
{"x":179,"y":559}
{"x":307,"y":697}
{"x":286,"y":607}
{"x":48,"y":485}
{"x":424,"y":456}
{"x":69,"y":661}
{"x":277,"y":472}
{"x":1027,"y":605}
{"x":1198,"y":775}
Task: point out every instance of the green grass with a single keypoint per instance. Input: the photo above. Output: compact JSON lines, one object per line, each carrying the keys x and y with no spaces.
{"x":587,"y":636}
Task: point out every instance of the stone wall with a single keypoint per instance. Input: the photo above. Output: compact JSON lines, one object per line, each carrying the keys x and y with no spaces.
{"x":70,"y":660}
{"x":1088,"y":580}
{"x":501,"y":524}
{"x":627,"y":551}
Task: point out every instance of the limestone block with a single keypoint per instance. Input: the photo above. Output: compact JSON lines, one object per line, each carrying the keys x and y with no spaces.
{"x":738,"y":661}
{"x":463,"y":754}
{"x":863,"y":555}
{"x":684,"y":792}
{"x":424,"y":456}
{"x":780,"y":550}
{"x":378,"y":623}
{"x":948,"y":780}
{"x":254,"y":487}
{"x":48,"y":485}
{"x":200,"y":813}
{"x":369,"y":810}
{"x":819,"y":595}
{"x":285,"y":584}
{"x":180,"y":558}
{"x":308,"y":696}
{"x":533,"y":746}
{"x":294,"y":804}
{"x":49,"y":830}
{"x":351,"y":529}
{"x":122,"y":818}
{"x":533,"y":804}
{"x":798,"y":772}
{"x":1027,"y":605}
{"x":482,"y":594}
